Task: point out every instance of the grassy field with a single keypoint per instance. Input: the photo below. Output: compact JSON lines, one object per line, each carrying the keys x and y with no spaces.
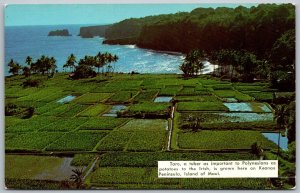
{"x":218,"y":140}
{"x":127,"y":147}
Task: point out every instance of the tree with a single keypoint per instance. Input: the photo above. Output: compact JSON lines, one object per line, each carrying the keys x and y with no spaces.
{"x":77,"y":177}
{"x":99,"y":61}
{"x":71,"y":61}
{"x":280,"y":114}
{"x":85,"y":68}
{"x":193,"y":63}
{"x":14,"y":68}
{"x":26,"y":71}
{"x":28,"y":61}
{"x":282,"y":58}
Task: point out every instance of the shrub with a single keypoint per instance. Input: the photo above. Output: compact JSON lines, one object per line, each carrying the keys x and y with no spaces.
{"x":31,"y":83}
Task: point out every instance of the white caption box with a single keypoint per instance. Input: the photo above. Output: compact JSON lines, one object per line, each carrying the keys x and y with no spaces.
{"x":218,"y":169}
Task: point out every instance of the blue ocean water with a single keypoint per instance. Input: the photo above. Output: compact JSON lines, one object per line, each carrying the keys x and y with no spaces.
{"x":23,"y":41}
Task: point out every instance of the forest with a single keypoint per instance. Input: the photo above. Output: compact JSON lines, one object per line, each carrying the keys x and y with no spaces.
{"x":246,"y":43}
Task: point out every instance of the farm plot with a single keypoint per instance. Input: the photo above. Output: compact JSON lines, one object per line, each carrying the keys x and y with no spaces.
{"x":233,"y":94}
{"x":202,"y":98}
{"x":94,"y":110}
{"x":145,"y":125}
{"x":120,"y":175}
{"x":37,"y":167}
{"x":77,"y":141}
{"x":47,"y":108}
{"x":262,"y":96}
{"x":31,"y":141}
{"x":59,"y":110}
{"x":18,"y":91}
{"x":122,"y":96}
{"x":227,"y":117}
{"x":82,"y":159}
{"x":75,"y":110}
{"x":125,"y":84}
{"x":249,"y":107}
{"x":146,"y":96}
{"x":201,"y":106}
{"x":12,"y":120}
{"x":217,"y":140}
{"x":65,"y":124}
{"x":170,"y":90}
{"x":42,"y":94}
{"x":32,"y":124}
{"x":115,"y":141}
{"x":103,"y":123}
{"x":147,"y":141}
{"x":149,"y":159}
{"x":91,"y":98}
{"x":149,"y":107}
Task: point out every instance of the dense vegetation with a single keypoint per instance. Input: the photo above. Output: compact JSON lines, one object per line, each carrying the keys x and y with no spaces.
{"x":246,"y":43}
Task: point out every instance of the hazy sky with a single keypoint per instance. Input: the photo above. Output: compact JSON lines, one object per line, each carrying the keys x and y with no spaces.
{"x":16,"y":15}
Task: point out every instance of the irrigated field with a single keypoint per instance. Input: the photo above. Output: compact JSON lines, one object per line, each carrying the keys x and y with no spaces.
{"x":80,"y":119}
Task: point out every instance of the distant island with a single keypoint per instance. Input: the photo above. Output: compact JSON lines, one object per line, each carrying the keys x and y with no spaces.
{"x":63,"y":32}
{"x":92,"y":31}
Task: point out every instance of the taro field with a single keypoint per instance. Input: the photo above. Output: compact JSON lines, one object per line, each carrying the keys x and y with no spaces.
{"x":116,"y":129}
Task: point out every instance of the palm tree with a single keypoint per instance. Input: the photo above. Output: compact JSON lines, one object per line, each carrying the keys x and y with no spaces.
{"x":14,"y":68}
{"x":53,"y":66}
{"x":77,"y":177}
{"x":28,"y":61}
{"x":99,"y":61}
{"x":26,"y":71}
{"x":70,"y":62}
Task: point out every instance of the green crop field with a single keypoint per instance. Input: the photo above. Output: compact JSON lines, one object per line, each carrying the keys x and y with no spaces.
{"x":222,"y":140}
{"x":115,"y":141}
{"x":77,"y":141}
{"x":94,"y":110}
{"x":91,"y":98}
{"x":103,"y":123}
{"x":201,"y":106}
{"x":128,"y":146}
{"x":32,"y":141}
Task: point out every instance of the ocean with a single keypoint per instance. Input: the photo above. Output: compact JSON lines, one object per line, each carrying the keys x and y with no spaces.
{"x":23,"y":41}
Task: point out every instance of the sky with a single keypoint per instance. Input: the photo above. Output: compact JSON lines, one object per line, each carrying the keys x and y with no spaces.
{"x":34,"y":14}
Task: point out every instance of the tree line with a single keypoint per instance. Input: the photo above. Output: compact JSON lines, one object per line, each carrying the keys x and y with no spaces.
{"x":278,"y":67}
{"x":83,"y":68}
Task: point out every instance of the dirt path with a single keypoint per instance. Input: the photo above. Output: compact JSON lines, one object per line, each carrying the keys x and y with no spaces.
{"x":171,"y":129}
{"x":91,"y":168}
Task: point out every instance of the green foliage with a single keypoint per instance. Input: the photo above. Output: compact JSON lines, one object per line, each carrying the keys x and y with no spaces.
{"x":94,"y":110}
{"x":91,"y":98}
{"x":193,"y":63}
{"x":31,"y":83}
{"x":149,"y":107}
{"x":103,"y":123}
{"x":78,"y":141}
{"x":233,"y":94}
{"x":115,"y":141}
{"x":122,"y":96}
{"x":145,"y":125}
{"x":146,"y":96}
{"x":32,"y":124}
{"x":201,"y":106}
{"x":169,"y":90}
{"x":82,"y":159}
{"x":64,"y":124}
{"x":147,"y":141}
{"x":149,"y":159}
{"x":121,"y":175}
{"x":222,"y":140}
{"x":32,"y":140}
